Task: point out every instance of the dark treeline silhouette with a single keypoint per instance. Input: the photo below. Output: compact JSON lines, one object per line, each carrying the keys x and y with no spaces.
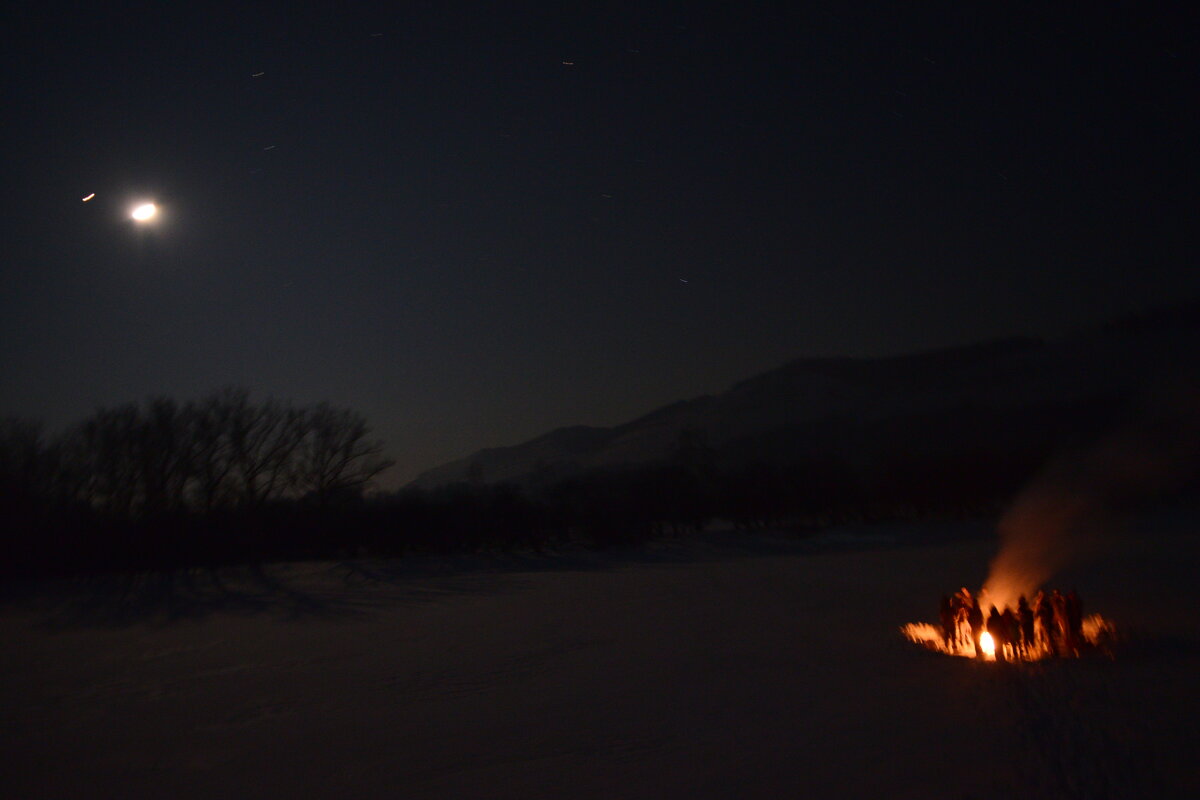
{"x":225,"y":480}
{"x":160,"y":481}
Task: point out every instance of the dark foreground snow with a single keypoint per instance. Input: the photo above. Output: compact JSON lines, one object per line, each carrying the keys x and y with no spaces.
{"x":770,"y":669}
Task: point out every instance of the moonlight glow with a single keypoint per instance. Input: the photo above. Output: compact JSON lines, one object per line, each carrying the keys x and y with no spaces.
{"x":144,"y":212}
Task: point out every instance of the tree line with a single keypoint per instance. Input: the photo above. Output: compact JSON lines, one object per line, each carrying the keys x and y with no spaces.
{"x":162,"y":481}
{"x":221,"y":452}
{"x":225,"y":479}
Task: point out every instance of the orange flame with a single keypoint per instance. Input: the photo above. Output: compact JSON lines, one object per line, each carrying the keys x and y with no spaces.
{"x":1095,"y":635}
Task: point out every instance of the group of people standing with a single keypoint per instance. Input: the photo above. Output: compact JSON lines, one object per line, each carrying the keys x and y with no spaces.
{"x":1051,"y":626}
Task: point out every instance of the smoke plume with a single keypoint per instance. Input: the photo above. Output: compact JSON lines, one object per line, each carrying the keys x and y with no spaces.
{"x":1072,"y":509}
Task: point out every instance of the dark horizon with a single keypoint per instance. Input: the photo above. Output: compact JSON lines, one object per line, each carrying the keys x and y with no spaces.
{"x":476,"y":227}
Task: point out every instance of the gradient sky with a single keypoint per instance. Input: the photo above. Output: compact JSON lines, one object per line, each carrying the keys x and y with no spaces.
{"x":471,"y":241}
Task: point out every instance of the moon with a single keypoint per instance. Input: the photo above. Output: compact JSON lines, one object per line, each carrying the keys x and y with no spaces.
{"x":144,"y":212}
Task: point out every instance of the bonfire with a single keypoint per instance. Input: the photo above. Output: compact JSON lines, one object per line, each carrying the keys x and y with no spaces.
{"x":1051,"y":625}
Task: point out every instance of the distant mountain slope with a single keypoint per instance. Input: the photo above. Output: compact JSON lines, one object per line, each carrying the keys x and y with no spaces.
{"x":1013,"y":389}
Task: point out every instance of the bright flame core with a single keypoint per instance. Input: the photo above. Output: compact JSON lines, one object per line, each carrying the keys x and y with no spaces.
{"x":144,"y":212}
{"x":987,"y":644}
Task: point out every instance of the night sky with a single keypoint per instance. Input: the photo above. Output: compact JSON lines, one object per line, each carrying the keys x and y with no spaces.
{"x":474,"y":225}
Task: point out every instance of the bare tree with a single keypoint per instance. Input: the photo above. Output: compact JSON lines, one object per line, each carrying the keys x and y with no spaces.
{"x":336,"y":457}
{"x":22,"y":456}
{"x":212,"y":450}
{"x":223,"y":450}
{"x":104,"y":450}
{"x":263,"y":439}
{"x":129,"y":459}
{"x":164,"y":446}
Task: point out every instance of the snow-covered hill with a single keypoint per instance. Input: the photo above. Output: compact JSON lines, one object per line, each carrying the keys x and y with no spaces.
{"x":834,"y":404}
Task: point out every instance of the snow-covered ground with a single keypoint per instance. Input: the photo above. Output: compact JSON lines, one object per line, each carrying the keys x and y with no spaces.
{"x":772,"y":668}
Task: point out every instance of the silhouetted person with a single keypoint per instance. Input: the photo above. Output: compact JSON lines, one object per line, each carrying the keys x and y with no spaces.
{"x":1044,"y":612}
{"x":998,"y":628}
{"x":1025,"y":620}
{"x":975,"y":620}
{"x":1074,"y":609}
{"x":955,"y":604}
{"x":963,"y":605}
{"x":1059,"y":604}
{"x":946,"y":611}
{"x":962,"y":610}
{"x":1012,"y":630}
